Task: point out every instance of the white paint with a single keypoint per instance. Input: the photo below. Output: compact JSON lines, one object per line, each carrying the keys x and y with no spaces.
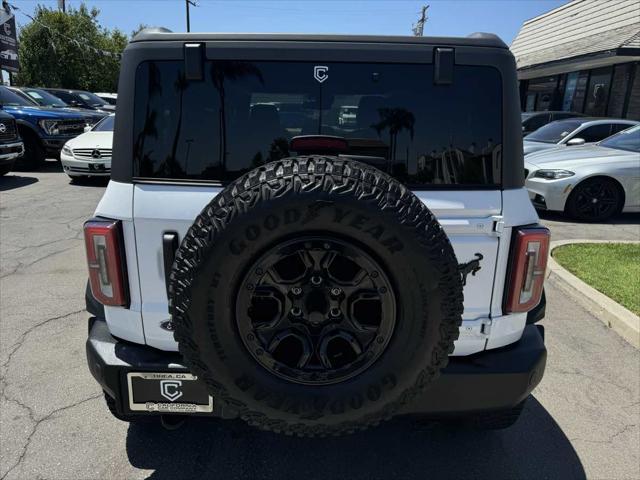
{"x":468,"y":217}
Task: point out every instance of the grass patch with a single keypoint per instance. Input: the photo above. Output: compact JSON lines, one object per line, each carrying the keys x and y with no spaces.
{"x":611,"y":268}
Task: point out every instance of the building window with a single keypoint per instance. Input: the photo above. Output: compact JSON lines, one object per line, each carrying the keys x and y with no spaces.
{"x":569,"y":91}
{"x":598,"y":92}
{"x":577,"y":105}
{"x":633,"y":108}
{"x":545,"y":90}
{"x":619,"y":87}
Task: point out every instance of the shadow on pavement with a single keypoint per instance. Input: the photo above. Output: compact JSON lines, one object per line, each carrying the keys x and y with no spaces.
{"x":89,"y":182}
{"x":621,"y":219}
{"x":535,"y":447}
{"x":12,"y":180}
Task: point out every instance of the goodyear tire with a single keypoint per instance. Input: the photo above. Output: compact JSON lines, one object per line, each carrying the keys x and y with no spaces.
{"x":315,"y":296}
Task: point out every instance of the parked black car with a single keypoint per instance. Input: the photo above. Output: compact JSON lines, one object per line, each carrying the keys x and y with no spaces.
{"x":42,"y":98}
{"x":11,"y":146}
{"x":531,"y":121}
{"x":82,"y":99}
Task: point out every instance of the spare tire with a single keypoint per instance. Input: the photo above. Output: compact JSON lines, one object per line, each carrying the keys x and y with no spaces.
{"x":315,"y":296}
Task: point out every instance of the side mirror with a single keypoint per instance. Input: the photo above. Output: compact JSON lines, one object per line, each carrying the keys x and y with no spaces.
{"x":576,"y":141}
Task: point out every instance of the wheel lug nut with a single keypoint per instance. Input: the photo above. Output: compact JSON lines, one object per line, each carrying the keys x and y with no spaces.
{"x":316,"y":280}
{"x":334,"y":312}
{"x":296,"y":291}
{"x":296,"y":311}
{"x":335,"y":291}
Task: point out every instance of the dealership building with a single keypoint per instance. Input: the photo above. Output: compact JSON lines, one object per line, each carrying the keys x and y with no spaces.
{"x":582,"y":57}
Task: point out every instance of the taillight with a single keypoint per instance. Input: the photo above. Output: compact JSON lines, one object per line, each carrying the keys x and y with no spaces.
{"x":528,"y":263}
{"x":105,"y":256}
{"x":323,"y":144}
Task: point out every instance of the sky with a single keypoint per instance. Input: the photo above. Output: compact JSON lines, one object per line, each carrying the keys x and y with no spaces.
{"x":376,"y":17}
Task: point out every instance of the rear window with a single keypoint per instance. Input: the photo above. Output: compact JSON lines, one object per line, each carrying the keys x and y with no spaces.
{"x":244,"y":114}
{"x":554,"y":132}
{"x":105,"y":125}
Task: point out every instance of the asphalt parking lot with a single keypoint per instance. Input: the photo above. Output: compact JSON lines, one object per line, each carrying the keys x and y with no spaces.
{"x":581,"y":422}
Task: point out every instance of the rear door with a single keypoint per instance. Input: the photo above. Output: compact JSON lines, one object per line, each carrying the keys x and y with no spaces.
{"x":442,"y":140}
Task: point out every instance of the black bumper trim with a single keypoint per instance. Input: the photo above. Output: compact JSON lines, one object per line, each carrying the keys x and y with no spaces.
{"x":489,"y":380}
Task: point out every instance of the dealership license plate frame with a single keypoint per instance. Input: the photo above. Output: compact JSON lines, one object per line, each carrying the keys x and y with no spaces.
{"x":174,"y":407}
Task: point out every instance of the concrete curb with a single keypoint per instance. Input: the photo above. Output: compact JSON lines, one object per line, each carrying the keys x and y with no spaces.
{"x":623,"y":321}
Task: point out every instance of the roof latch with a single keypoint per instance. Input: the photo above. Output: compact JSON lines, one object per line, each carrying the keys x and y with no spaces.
{"x":194,"y":61}
{"x":444,"y":59}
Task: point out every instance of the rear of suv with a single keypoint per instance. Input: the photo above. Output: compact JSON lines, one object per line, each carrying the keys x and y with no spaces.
{"x":308,"y":275}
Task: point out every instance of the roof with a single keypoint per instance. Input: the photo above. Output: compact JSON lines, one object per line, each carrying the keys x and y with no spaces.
{"x":597,"y":120}
{"x":581,"y":27}
{"x":475,"y":39}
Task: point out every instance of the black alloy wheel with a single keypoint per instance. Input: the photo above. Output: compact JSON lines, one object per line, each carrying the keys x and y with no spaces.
{"x":316,"y":310}
{"x":595,"y":199}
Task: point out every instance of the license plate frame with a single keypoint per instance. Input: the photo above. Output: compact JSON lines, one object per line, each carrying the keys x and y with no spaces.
{"x":170,"y":395}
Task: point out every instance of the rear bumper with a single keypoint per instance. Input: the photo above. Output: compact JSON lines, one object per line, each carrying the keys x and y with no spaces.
{"x":490,"y":380}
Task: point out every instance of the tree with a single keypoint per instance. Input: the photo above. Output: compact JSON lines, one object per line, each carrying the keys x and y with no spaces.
{"x":70,"y":50}
{"x":396,"y":120}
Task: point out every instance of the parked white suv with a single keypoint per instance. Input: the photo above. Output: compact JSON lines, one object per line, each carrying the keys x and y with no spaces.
{"x":312,"y":279}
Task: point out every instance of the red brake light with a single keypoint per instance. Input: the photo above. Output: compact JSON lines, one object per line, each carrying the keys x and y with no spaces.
{"x":318,"y":144}
{"x":105,"y":257}
{"x":528,"y":264}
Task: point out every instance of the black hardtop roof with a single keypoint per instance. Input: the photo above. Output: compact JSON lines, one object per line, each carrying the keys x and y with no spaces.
{"x":473,"y":40}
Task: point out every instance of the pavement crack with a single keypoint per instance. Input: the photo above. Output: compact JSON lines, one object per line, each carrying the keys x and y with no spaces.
{"x":37,"y":423}
{"x":16,"y":346}
{"x":608,"y":440}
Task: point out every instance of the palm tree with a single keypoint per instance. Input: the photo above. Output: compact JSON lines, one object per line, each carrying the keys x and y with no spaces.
{"x":173,"y":167}
{"x":396,"y":120}
{"x":229,"y":70}
{"x":150,"y":117}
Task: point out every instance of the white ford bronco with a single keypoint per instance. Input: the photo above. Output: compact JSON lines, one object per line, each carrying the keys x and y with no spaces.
{"x":254,"y":257}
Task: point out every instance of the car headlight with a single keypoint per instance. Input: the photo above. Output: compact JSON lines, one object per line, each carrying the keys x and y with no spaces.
{"x":49,"y":126}
{"x":553,"y":174}
{"x":67,"y":151}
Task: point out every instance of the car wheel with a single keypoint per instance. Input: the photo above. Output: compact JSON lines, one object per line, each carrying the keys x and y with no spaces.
{"x":297,"y":298}
{"x":595,"y":199}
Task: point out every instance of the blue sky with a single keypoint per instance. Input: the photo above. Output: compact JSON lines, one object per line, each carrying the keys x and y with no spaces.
{"x":383,"y":17}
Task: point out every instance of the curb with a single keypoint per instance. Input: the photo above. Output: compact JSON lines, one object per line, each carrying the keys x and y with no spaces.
{"x":624,"y":322}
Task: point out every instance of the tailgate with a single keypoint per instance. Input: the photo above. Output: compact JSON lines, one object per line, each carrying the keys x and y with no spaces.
{"x":468,"y":218}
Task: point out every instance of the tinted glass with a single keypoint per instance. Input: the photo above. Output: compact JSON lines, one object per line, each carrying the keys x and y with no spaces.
{"x":105,"y":125}
{"x":598,"y":92}
{"x":91,"y":99}
{"x":595,"y":133}
{"x":245,"y":113}
{"x":44,"y":98}
{"x":536,"y":122}
{"x":626,"y":140}
{"x":11,"y":99}
{"x":554,"y":132}
{"x":618,"y":127}
{"x":66,"y":97}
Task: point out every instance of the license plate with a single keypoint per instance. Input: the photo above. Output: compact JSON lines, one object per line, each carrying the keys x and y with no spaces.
{"x":168,"y":392}
{"x":96,"y":166}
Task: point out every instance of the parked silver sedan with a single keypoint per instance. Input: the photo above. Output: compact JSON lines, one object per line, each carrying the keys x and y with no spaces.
{"x":573,"y":132}
{"x":590,"y":182}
